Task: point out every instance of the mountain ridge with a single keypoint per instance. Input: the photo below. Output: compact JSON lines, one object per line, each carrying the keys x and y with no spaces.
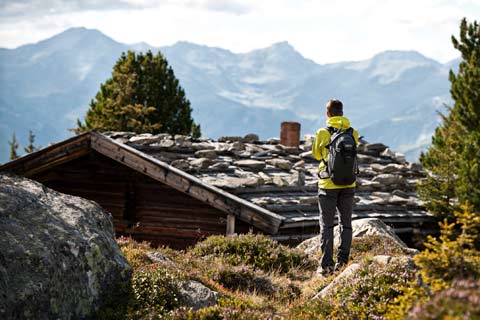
{"x":250,"y":92}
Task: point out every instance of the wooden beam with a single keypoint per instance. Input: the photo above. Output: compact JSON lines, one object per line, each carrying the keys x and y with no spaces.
{"x":49,"y":157}
{"x":230,"y":225}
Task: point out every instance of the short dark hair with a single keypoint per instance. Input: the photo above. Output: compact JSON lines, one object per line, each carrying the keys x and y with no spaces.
{"x":335,"y":107}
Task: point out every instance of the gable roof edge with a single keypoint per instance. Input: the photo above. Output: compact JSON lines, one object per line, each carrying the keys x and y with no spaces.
{"x":246,"y":211}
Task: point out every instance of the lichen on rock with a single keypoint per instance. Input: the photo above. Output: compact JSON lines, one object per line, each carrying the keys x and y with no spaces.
{"x":58,"y":255}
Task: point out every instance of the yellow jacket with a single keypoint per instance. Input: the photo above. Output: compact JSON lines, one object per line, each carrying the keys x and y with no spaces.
{"x":319,"y":151}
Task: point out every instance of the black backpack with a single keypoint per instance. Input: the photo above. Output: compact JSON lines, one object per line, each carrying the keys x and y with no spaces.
{"x":342,"y":165}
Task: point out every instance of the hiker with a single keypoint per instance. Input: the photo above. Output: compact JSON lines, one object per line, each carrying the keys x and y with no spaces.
{"x":335,"y":147}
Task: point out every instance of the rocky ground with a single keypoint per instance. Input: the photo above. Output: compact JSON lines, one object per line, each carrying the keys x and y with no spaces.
{"x":59,"y":259}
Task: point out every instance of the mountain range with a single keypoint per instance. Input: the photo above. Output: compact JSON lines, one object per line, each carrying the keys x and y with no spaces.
{"x":393,"y":98}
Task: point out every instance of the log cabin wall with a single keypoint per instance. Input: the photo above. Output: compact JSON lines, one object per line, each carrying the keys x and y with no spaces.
{"x":141,"y":206}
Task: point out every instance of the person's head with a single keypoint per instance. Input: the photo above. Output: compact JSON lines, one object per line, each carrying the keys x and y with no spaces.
{"x":334,"y":108}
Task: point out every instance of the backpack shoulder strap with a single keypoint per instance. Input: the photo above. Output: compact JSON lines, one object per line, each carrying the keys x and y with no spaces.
{"x":330,"y":129}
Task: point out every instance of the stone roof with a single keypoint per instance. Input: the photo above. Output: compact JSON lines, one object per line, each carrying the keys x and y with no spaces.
{"x":284,"y":179}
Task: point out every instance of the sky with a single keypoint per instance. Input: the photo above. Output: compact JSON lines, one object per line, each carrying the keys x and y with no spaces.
{"x":322,"y":30}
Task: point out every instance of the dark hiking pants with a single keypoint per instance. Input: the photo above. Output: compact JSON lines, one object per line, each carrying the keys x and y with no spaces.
{"x":328,"y":202}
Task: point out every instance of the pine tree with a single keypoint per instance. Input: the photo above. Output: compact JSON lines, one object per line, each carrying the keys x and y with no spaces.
{"x":142,"y":95}
{"x":465,"y":92}
{"x":13,"y":147}
{"x":31,"y":140}
{"x":438,"y":188}
{"x":453,"y":160}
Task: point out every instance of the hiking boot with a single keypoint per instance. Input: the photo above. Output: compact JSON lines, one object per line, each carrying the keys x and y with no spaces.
{"x":325,"y":271}
{"x":338,"y":266}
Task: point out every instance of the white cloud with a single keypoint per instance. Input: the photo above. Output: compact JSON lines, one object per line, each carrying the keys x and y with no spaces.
{"x":325,"y":31}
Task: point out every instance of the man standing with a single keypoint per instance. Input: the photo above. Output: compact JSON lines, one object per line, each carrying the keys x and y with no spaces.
{"x":335,"y":192}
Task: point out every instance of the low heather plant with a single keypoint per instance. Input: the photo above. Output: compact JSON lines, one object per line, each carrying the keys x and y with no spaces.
{"x":258,"y":251}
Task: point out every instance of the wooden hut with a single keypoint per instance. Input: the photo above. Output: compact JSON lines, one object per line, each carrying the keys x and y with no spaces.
{"x":174,"y":190}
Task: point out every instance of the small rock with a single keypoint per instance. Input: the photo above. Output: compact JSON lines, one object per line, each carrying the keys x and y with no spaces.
{"x":229,"y":138}
{"x":388,"y":178}
{"x":220,"y":166}
{"x":400,"y":193}
{"x":273,"y":141}
{"x":266,"y":178}
{"x":201,"y":163}
{"x":291,"y":150}
{"x":416,"y":167}
{"x":251,"y":137}
{"x":195,"y":295}
{"x":367,"y":185}
{"x":279,"y":181}
{"x":250,"y":164}
{"x":377,"y":167}
{"x":398,"y":200}
{"x":121,"y":140}
{"x":387,"y":153}
{"x":346,"y":274}
{"x":299,"y":164}
{"x":157,"y":257}
{"x":203,"y":146}
{"x":376,"y":147}
{"x":181,"y":164}
{"x":243,"y":154}
{"x":183,"y":141}
{"x":233,"y":182}
{"x":237,"y":146}
{"x":307,"y":155}
{"x":280,"y":163}
{"x":167,"y":143}
{"x":221,"y":147}
{"x":308,"y":200}
{"x":382,"y":259}
{"x":210,"y":154}
{"x":253,"y":148}
{"x":297,"y":178}
{"x":363,"y":158}
{"x":394,"y":167}
{"x":399,"y":157}
{"x":309,"y":138}
{"x":144,"y":138}
{"x":119,"y":134}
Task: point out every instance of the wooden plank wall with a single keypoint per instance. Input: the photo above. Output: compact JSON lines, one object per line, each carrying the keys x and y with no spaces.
{"x":141,"y":207}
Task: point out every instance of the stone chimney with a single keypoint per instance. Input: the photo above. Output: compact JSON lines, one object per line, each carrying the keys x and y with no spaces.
{"x":290,"y":134}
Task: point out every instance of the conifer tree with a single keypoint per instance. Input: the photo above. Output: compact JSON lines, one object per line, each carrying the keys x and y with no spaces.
{"x":453,"y":160}
{"x":438,"y":187}
{"x":142,"y":95}
{"x":13,"y":147}
{"x":31,"y":140}
{"x":465,"y":92}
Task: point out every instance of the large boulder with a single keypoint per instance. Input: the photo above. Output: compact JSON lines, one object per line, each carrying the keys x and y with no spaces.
{"x":58,"y":255}
{"x":360,"y":228}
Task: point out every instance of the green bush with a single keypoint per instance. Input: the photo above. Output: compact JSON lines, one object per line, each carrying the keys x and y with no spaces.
{"x":453,"y":255}
{"x":154,"y":292}
{"x":258,"y":251}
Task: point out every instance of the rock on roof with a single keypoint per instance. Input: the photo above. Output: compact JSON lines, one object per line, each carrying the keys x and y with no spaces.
{"x":284,"y":179}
